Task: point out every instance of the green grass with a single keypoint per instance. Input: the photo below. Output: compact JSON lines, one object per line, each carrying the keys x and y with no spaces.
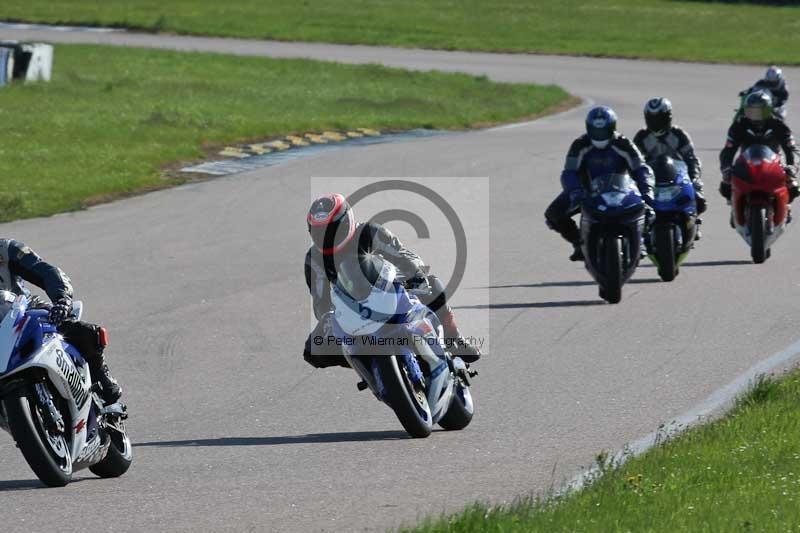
{"x":740,"y":473}
{"x":668,"y":29}
{"x":111,"y":117}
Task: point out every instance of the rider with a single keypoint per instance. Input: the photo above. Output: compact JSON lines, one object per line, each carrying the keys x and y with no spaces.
{"x":337,"y":237}
{"x":759,"y":125}
{"x":602,"y":150}
{"x":660,"y":137}
{"x":17,"y":263}
{"x":774,"y":82}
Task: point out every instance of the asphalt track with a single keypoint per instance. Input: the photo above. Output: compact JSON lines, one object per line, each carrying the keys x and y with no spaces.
{"x":207,"y":310}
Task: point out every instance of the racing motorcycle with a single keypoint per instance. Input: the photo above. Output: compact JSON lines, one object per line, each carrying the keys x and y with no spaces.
{"x":396,"y":345}
{"x":672,"y":235}
{"x":612,"y":224}
{"x":48,"y":403}
{"x":759,"y":199}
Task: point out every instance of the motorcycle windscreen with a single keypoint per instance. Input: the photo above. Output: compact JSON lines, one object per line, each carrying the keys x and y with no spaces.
{"x":613,"y":189}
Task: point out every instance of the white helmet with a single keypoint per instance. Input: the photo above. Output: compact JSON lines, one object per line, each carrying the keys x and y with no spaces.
{"x":774,"y":76}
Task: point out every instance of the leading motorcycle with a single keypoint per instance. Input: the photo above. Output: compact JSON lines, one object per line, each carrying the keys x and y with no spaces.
{"x":759,"y":199}
{"x":612,"y":224}
{"x":47,"y":401}
{"x":396,"y":345}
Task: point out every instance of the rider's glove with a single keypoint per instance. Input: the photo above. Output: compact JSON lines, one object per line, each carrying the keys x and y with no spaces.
{"x":418,"y":281}
{"x":649,"y":216}
{"x":59,"y":312}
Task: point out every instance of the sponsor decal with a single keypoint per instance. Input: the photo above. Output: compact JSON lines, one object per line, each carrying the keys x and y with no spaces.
{"x":74,"y":378}
{"x":79,"y":427}
{"x":91,"y":452}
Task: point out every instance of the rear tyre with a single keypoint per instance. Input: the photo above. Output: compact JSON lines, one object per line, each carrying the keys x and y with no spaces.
{"x":665,"y":251}
{"x":612,"y":292}
{"x":119,"y":457}
{"x":459,"y":414}
{"x":46,"y":453}
{"x":407,"y":400}
{"x":758,"y":233}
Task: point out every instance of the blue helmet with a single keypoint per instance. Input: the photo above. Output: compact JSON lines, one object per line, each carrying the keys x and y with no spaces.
{"x":601,"y":124}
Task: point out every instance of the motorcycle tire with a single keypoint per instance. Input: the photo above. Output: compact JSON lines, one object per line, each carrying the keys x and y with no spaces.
{"x":48,"y":455}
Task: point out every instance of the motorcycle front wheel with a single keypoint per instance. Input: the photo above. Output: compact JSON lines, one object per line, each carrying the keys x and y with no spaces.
{"x":46,"y":452}
{"x":758,"y":233}
{"x":408,"y":400}
{"x":665,"y":251}
{"x":613,"y":259}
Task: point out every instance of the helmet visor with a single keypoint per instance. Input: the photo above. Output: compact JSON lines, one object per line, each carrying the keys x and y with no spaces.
{"x":756,"y":113}
{"x":658,"y":122}
{"x":330,"y":237}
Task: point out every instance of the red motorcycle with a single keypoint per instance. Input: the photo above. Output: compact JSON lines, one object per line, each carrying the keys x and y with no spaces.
{"x":760,"y":199}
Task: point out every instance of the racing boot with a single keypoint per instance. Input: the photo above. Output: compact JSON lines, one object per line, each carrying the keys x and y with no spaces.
{"x":454,"y":341}
{"x":101,"y":375}
{"x":577,"y":253}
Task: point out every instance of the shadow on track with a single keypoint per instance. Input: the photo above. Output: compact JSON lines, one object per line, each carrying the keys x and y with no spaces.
{"x":728,"y":262}
{"x":534,"y":305}
{"x":312,"y":438}
{"x":13,"y":485}
{"x":582,"y":283}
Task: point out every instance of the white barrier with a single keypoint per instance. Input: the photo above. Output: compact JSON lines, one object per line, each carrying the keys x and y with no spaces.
{"x":25,"y":61}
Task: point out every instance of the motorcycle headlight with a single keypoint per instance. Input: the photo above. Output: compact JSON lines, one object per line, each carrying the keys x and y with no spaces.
{"x":666,"y":194}
{"x":613,"y":199}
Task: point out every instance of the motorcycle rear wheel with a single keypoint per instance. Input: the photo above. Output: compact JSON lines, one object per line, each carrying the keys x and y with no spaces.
{"x":119,"y":457}
{"x":408,"y":402}
{"x":47,"y":454}
{"x":459,"y":413}
{"x":758,"y":234}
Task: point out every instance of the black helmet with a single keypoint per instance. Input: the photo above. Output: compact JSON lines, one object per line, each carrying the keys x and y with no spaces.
{"x":758,"y":107}
{"x":664,"y":169}
{"x":601,"y":125}
{"x":331,"y":223}
{"x":658,"y":115}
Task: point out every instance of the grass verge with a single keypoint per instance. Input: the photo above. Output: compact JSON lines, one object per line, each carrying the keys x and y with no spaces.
{"x":665,"y":29}
{"x":111,"y":117}
{"x":740,"y":473}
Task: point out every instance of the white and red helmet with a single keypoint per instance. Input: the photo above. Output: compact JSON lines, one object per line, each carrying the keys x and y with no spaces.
{"x":331,"y":223}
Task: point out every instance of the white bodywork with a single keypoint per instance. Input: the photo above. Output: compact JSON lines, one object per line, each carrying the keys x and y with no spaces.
{"x":71,"y":382}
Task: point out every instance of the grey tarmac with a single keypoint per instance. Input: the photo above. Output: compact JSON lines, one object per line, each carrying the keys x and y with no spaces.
{"x":203,"y":293}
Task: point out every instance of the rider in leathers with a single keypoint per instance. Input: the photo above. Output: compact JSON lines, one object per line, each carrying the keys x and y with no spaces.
{"x":18,"y":263}
{"x":758,"y":125}
{"x":600,"y":151}
{"x":661,"y":137}
{"x":337,"y":237}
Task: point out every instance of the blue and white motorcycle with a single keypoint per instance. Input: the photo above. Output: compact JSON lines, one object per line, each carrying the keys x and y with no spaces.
{"x":612,"y":224}
{"x":396,"y":345}
{"x":672,"y":235}
{"x":47,"y":401}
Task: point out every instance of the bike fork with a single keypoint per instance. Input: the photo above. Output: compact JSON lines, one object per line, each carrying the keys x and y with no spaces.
{"x":52,"y":418}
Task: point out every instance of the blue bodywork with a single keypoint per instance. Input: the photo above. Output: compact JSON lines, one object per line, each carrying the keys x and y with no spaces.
{"x":612,"y":208}
{"x":34,"y":329}
{"x":675,"y":204}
